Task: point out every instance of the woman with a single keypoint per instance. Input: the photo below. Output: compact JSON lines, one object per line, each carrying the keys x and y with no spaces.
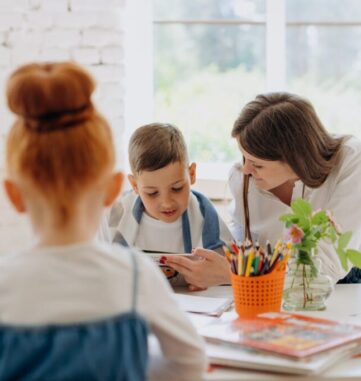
{"x":287,"y":154}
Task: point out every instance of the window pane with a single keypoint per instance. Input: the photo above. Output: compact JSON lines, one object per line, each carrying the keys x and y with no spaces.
{"x":204,"y":74}
{"x":323,"y":10}
{"x":323,"y":64}
{"x":208,"y":9}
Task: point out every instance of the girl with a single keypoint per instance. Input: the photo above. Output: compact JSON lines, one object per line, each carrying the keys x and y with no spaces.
{"x":60,"y":159}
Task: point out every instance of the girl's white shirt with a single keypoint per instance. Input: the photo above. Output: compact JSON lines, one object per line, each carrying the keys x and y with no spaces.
{"x":340,"y":193}
{"x":91,"y":281}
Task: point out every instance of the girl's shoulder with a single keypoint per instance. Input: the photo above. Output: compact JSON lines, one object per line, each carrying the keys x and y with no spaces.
{"x":133,"y":257}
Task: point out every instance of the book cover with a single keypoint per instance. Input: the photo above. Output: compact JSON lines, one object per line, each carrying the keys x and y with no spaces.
{"x":292,"y":335}
{"x":250,"y":358}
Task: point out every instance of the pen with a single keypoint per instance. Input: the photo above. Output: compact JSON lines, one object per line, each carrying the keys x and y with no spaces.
{"x":240,"y":263}
{"x":230,"y":258}
{"x":255,"y":263}
{"x":275,"y":252}
{"x":249,"y":262}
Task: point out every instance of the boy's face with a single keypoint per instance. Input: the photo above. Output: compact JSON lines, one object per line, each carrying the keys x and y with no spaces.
{"x":165,"y":192}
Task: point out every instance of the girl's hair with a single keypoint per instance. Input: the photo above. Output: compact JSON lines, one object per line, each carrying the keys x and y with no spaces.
{"x":285,"y":127}
{"x":59,"y":142}
{"x":156,"y":145}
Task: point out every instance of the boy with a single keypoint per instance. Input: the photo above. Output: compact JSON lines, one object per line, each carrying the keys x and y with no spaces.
{"x":162,"y":214}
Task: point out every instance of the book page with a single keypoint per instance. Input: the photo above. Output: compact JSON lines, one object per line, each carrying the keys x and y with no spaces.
{"x":203,"y":304}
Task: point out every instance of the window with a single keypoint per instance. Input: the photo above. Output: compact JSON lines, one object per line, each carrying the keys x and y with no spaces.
{"x":209,"y":58}
{"x":195,"y":63}
{"x":324,"y":59}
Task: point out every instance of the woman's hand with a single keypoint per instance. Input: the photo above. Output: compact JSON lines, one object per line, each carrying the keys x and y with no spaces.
{"x":209,"y":269}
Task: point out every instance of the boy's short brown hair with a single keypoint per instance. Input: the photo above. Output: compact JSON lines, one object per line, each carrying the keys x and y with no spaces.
{"x":156,"y":145}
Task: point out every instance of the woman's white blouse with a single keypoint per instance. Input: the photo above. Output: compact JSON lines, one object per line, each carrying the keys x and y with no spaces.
{"x":340,"y":193}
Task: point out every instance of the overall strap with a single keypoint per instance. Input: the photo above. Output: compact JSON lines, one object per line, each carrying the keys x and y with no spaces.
{"x":186,"y":231}
{"x":118,"y":238}
{"x":211,"y":230}
{"x":135,"y":280}
{"x":138,"y":209}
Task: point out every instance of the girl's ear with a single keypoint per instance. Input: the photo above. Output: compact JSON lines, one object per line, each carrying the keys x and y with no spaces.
{"x":14,"y":194}
{"x":133,"y":183}
{"x":113,"y":189}
{"x":192,"y":172}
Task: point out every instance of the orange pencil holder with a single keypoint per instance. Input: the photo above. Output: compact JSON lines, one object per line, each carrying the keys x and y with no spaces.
{"x":256,"y":294}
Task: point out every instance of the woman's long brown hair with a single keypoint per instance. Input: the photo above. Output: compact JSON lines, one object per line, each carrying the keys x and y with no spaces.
{"x":285,"y":127}
{"x":247,"y":223}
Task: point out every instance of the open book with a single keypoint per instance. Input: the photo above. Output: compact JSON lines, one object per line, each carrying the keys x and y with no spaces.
{"x":203,"y":304}
{"x":283,"y":334}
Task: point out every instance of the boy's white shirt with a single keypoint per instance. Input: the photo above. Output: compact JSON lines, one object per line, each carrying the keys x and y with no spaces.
{"x":340,"y":193}
{"x":92,"y":281}
{"x":152,"y":234}
{"x":148,"y":237}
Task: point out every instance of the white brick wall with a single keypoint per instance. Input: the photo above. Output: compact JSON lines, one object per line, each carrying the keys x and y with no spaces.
{"x":87,"y":31}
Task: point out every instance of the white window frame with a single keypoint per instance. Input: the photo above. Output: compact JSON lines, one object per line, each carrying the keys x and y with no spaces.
{"x":139,"y":78}
{"x":139,"y":83}
{"x":138,"y":61}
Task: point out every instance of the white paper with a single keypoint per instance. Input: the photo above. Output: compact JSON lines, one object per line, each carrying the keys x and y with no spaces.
{"x":203,"y":304}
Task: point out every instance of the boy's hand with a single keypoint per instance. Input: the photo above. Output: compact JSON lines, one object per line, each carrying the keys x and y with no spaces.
{"x":210,"y":269}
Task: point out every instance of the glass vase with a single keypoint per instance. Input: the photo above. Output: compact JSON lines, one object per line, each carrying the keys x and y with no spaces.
{"x":306,"y":286}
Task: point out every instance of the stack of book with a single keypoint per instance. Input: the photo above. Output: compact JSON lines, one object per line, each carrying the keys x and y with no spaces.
{"x":281,"y":342}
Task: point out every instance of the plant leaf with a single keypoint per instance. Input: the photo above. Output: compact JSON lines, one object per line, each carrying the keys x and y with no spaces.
{"x":301,"y":207}
{"x":343,"y":258}
{"x":319,"y":218}
{"x":287,"y":217}
{"x":354,"y":256}
{"x":344,"y":239}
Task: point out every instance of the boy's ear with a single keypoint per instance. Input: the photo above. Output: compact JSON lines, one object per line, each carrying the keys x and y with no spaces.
{"x":14,"y":194}
{"x":133,"y":183}
{"x":192,"y":172}
{"x":113,"y":189}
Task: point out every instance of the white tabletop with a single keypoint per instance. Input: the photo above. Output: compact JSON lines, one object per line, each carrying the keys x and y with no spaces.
{"x":343,"y":305}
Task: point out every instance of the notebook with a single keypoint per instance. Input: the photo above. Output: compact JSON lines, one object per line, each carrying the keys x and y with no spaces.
{"x":284,"y":334}
{"x":203,"y":304}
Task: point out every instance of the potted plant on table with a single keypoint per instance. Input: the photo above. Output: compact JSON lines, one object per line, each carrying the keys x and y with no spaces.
{"x":307,"y":287}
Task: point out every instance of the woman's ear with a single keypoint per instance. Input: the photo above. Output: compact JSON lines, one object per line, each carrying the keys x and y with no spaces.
{"x":192,"y":172}
{"x":15,"y":196}
{"x":113,"y":189}
{"x":133,"y":183}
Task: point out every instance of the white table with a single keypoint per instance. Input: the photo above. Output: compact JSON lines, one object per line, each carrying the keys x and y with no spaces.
{"x":343,"y":305}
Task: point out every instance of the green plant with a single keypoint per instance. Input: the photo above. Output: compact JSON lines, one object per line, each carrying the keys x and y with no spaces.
{"x":307,"y":227}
